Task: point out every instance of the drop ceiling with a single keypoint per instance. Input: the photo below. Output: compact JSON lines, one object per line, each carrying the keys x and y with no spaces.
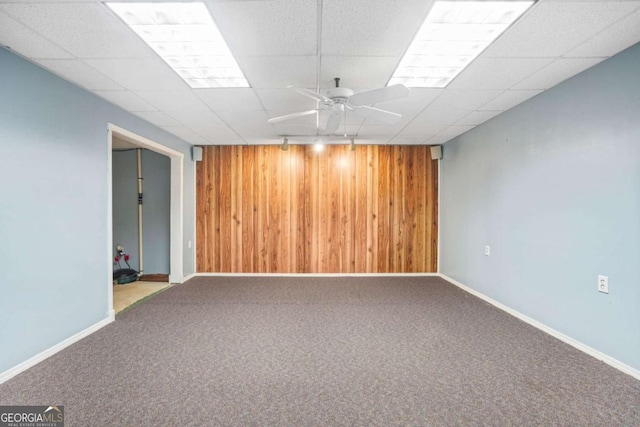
{"x":306,"y":43}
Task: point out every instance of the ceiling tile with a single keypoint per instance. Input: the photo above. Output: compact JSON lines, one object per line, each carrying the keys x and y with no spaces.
{"x":279,"y":71}
{"x":309,"y":120}
{"x":256,"y":131}
{"x":186,"y":134}
{"x":406,"y":140}
{"x":467,"y":99}
{"x":614,"y":39}
{"x":559,"y":70}
{"x":127,"y":100}
{"x":407,"y":117}
{"x":371,"y":141}
{"x":221,"y":1}
{"x":139,"y":74}
{"x":354,"y":118}
{"x":244,"y":118}
{"x":371,"y":27}
{"x":199,"y":118}
{"x":438,"y":139}
{"x":219,"y":135}
{"x":438,"y":116}
{"x":455,"y":130}
{"x":561,"y":1}
{"x":80,"y":73}
{"x":477,"y":117}
{"x":172,"y":100}
{"x":158,"y":118}
{"x":376,"y":130}
{"x":52,"y":1}
{"x":26,"y":42}
{"x":293,"y":129}
{"x":284,"y":100}
{"x":497,"y":73}
{"x":551,"y":29}
{"x":343,"y":129}
{"x":86,"y":30}
{"x":363,"y":72}
{"x":417,"y":100}
{"x":266,"y":141}
{"x":509,"y":99}
{"x":421,"y":131}
{"x":229,"y":99}
{"x":266,"y":28}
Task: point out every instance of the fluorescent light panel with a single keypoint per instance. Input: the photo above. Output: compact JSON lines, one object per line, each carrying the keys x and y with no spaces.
{"x":185,"y":36}
{"x":451,"y":37}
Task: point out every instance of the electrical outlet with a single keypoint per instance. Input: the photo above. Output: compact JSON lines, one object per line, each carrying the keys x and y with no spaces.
{"x":189,"y":244}
{"x":487,"y":250}
{"x":603,"y":284}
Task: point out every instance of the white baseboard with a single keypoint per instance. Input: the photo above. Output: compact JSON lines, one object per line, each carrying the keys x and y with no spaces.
{"x":559,"y":335}
{"x":190,"y":276}
{"x":313,"y":275}
{"x":12,"y":372}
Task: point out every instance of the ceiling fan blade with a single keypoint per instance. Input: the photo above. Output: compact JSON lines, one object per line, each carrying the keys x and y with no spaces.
{"x":333,"y":122}
{"x":377,"y":114}
{"x":291,"y":116}
{"x":310,"y":94}
{"x":388,"y":93}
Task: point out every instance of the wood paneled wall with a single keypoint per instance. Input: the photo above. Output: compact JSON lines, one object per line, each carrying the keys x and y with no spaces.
{"x":264,"y":210}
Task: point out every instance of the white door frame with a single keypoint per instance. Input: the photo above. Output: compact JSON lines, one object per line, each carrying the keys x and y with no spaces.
{"x":176,"y":210}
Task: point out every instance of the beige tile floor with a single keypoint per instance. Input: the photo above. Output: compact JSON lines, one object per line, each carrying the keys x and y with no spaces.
{"x":126,"y":295}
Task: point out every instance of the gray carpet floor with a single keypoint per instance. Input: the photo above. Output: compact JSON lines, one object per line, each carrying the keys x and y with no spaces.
{"x":324,"y":352}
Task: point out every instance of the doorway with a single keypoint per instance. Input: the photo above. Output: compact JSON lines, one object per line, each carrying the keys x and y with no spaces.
{"x":176,"y":159}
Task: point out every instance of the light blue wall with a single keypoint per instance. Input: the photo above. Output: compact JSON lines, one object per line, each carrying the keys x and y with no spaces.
{"x":156,"y":172}
{"x":53,"y":207}
{"x":553,"y":186}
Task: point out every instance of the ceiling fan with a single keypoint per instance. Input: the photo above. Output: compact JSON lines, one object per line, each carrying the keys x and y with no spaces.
{"x":340,"y":100}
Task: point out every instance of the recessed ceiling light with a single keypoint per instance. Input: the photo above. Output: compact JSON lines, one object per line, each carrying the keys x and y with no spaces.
{"x":185,"y":36}
{"x":318,"y":147}
{"x":454,"y":34}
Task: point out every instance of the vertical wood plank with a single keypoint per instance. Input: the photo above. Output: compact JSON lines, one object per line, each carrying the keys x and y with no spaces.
{"x":300,"y":195}
{"x":361,"y":247}
{"x":373,"y":182}
{"x":216,"y":208}
{"x":248,"y":209}
{"x":384,"y":201}
{"x":420,"y":176}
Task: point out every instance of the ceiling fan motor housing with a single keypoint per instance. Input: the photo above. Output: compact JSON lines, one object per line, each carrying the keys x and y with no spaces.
{"x":339,"y":94}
